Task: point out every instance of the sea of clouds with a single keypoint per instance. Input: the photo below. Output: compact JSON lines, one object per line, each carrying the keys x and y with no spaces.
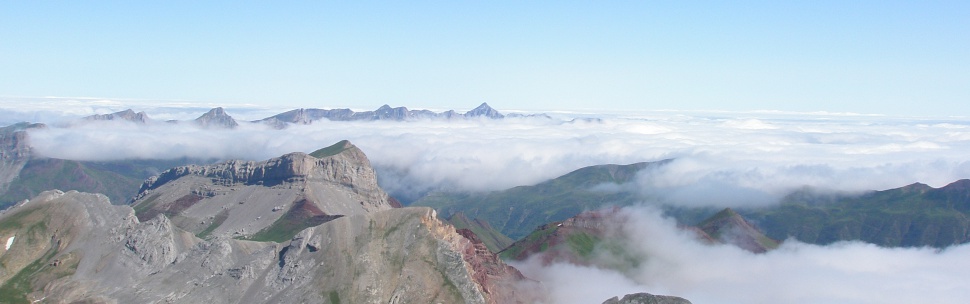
{"x":720,"y":158}
{"x":723,"y":159}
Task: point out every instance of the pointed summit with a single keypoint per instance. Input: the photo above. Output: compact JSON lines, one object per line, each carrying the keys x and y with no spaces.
{"x":216,"y":118}
{"x":484,"y":110}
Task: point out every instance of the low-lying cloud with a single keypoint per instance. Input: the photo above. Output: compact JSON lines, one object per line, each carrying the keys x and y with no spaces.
{"x":721,"y":159}
{"x":674,"y":262}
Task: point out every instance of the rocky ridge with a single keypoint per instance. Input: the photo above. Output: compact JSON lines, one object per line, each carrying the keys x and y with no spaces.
{"x":277,"y":197}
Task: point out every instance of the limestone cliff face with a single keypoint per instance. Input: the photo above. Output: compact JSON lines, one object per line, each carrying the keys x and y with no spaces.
{"x":76,"y":247}
{"x":245,"y":198}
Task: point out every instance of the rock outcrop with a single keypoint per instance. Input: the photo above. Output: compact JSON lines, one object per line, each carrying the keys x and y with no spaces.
{"x":269,"y":200}
{"x":646,"y":298}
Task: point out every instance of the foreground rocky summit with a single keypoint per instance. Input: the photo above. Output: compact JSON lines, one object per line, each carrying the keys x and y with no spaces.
{"x":301,"y":228}
{"x":70,"y":247}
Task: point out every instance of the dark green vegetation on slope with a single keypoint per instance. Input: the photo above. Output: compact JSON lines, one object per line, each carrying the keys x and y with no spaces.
{"x":517,"y":211}
{"x":118,"y":180}
{"x":914,"y":215}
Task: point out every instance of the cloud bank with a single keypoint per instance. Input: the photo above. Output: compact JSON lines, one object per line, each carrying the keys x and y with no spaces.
{"x":721,"y":159}
{"x":673,"y":262}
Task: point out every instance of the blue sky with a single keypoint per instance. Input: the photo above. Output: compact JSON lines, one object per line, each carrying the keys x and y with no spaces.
{"x":884,"y":57}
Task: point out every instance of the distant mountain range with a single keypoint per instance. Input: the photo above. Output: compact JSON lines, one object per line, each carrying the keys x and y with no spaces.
{"x":218,"y":118}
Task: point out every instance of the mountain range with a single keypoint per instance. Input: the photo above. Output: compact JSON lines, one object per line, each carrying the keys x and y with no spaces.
{"x":218,"y":118}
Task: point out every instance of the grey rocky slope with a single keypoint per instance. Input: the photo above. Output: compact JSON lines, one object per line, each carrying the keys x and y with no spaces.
{"x":77,"y":247}
{"x":265,"y":200}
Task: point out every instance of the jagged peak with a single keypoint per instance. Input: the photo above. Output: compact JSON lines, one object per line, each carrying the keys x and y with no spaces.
{"x":385,"y":107}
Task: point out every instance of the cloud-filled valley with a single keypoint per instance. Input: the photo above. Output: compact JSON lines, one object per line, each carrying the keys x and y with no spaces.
{"x":719,"y":159}
{"x":673,"y":261}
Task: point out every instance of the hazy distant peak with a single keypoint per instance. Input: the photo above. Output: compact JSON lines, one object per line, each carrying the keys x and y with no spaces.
{"x":484,"y":110}
{"x":216,"y":118}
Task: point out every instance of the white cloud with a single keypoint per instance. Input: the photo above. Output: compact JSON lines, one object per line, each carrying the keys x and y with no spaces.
{"x":721,"y":160}
{"x":675,"y":263}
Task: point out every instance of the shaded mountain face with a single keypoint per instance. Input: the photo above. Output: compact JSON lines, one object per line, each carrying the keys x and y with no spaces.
{"x":266,"y":200}
{"x":216,"y":118}
{"x":77,"y":247}
{"x":517,"y":211}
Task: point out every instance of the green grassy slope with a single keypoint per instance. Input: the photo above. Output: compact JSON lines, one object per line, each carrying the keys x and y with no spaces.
{"x":517,"y":211}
